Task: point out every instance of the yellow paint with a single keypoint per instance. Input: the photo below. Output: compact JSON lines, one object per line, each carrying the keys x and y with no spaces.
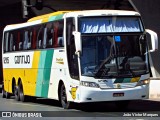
{"x":31,"y":76}
{"x":73,"y":92}
{"x":28,"y":76}
{"x":5,"y":79}
{"x":34,"y":72}
{"x":136,"y":79}
{"x":47,"y":16}
{"x":44,"y":20}
{"x":9,"y":74}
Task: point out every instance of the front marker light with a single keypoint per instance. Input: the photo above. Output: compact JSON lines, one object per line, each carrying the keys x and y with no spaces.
{"x":89,"y":84}
{"x":143,"y":82}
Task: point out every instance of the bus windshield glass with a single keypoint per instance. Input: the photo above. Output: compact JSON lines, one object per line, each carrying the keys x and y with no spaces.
{"x":110,"y":24}
{"x":117,"y":54}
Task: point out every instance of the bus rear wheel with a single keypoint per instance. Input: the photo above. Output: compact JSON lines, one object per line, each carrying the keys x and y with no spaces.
{"x":3,"y":92}
{"x":23,"y":97}
{"x":8,"y":95}
{"x":16,"y":93}
{"x":63,"y":98}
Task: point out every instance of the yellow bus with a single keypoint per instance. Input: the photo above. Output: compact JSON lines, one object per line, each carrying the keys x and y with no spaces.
{"x":78,"y":56}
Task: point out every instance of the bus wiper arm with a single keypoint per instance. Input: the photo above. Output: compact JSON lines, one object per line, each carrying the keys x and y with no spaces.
{"x":126,"y":66}
{"x":102,"y":70}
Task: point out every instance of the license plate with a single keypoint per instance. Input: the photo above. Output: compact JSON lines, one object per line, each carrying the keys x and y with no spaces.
{"x":118,"y":94}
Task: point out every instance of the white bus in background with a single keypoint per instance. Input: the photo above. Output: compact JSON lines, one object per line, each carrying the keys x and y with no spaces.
{"x":78,"y":56}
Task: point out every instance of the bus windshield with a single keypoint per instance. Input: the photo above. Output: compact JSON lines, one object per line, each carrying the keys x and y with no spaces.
{"x":113,"y":51}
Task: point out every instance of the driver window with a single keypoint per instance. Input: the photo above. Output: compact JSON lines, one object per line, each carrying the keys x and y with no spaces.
{"x":72,"y":58}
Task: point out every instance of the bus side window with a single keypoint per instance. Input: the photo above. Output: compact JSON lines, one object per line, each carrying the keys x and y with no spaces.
{"x":18,"y":40}
{"x":44,"y":37}
{"x":39,"y":37}
{"x":60,"y":42}
{"x":55,"y":25}
{"x":49,"y":35}
{"x":26,"y":39}
{"x":29,"y":40}
{"x":14,"y":41}
{"x":34,"y":36}
{"x":58,"y":33}
{"x":11,"y":42}
{"x":20,"y":45}
{"x":6,"y":37}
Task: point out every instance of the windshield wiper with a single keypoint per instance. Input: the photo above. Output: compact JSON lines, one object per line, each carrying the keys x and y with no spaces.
{"x":102,"y":69}
{"x":126,"y":66}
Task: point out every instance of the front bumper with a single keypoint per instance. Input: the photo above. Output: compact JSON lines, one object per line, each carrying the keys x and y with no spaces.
{"x":88,"y":94}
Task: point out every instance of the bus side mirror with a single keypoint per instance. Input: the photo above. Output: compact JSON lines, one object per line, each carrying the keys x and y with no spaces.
{"x":154,"y":40}
{"x":77,"y":37}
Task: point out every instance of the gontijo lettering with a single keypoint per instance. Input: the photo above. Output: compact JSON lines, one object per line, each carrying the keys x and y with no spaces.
{"x":22,"y":59}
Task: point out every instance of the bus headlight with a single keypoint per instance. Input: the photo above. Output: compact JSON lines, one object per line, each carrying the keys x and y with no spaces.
{"x":143,"y":82}
{"x":89,"y":84}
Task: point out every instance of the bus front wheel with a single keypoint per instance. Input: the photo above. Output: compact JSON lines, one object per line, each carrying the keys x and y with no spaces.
{"x":63,"y":98}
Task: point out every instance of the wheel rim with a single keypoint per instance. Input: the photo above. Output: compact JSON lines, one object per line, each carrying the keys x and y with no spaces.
{"x":14,"y":90}
{"x":63,"y":96}
{"x":21,"y":93}
{"x":7,"y":95}
{"x":17,"y":96}
{"x":3,"y":95}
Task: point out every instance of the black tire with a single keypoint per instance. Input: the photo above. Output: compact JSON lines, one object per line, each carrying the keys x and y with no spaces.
{"x":3,"y":92}
{"x":63,"y":98}
{"x":122,"y":105}
{"x":17,"y":93}
{"x":23,"y":97}
{"x":14,"y":88}
{"x":8,"y":95}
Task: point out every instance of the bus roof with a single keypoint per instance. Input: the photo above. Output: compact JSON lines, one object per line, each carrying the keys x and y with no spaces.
{"x":103,"y":12}
{"x":59,"y":15}
{"x":46,"y":17}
